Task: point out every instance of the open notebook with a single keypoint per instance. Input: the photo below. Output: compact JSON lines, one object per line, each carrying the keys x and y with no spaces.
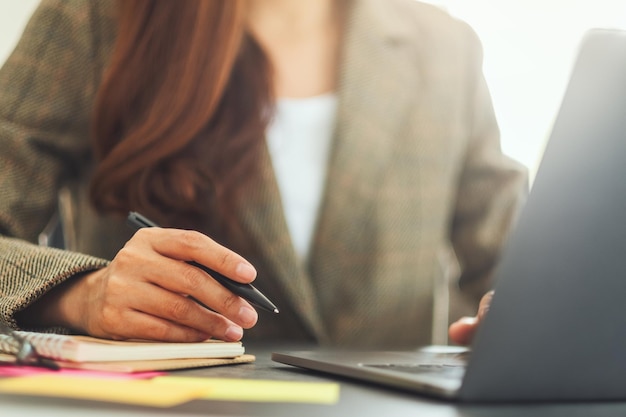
{"x":83,"y":352}
{"x":556,"y":326}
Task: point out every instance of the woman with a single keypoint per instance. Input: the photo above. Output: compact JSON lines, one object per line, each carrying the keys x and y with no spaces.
{"x":339,"y":147}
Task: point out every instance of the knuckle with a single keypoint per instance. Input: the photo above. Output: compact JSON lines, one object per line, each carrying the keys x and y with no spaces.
{"x":110,"y":291}
{"x":124,"y":258}
{"x":179,"y":309}
{"x":160,"y":331}
{"x":191,"y":278}
{"x":137,"y":238}
{"x":109,"y":318}
{"x":143,"y":234}
{"x":226,"y":258}
{"x":191,"y":336}
{"x":230,"y":301}
{"x":191,"y":239}
{"x":215,"y":325}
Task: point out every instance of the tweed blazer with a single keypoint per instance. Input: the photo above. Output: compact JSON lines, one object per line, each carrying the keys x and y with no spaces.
{"x":415,"y":174}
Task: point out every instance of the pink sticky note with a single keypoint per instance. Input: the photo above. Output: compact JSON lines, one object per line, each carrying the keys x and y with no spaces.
{"x":10,"y":370}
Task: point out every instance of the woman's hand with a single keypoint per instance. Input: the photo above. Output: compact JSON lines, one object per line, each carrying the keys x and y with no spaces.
{"x":148,"y":292}
{"x":462,"y":331}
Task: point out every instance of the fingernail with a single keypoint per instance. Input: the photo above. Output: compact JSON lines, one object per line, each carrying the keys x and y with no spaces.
{"x":248,"y":315}
{"x":246,"y":271}
{"x":467,"y":320}
{"x":234,"y":333}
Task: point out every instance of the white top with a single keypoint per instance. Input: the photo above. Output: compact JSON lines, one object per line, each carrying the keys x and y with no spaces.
{"x":299,"y":140}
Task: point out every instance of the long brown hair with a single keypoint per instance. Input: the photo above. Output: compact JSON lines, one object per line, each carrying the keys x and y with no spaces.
{"x":181,"y":110}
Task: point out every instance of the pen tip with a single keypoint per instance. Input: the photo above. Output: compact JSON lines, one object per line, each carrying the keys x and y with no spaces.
{"x":276,"y":311}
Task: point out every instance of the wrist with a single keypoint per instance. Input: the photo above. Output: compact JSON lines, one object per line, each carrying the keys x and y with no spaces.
{"x":62,"y":306}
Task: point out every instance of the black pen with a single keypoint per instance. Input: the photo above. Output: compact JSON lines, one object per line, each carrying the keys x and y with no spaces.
{"x":245,"y":291}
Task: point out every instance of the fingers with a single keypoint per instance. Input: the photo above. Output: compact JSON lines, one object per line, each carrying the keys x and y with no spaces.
{"x":484,"y":305}
{"x":138,"y":325}
{"x":176,"y":308}
{"x":149,"y":291}
{"x":137,"y":309}
{"x":188,"y":245}
{"x":463,"y":330}
{"x":179,"y":277}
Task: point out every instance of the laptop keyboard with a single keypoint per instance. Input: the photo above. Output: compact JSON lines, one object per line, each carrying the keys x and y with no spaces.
{"x":449,"y":371}
{"x":444,"y":365}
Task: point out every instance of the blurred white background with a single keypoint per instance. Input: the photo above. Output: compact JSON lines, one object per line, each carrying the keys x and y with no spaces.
{"x":13,"y":16}
{"x":530,"y":46}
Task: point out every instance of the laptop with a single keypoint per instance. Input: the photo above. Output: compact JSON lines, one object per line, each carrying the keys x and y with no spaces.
{"x":556,"y":329}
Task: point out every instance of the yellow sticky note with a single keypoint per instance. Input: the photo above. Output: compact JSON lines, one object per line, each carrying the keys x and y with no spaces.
{"x":140,"y":392}
{"x":258,"y":389}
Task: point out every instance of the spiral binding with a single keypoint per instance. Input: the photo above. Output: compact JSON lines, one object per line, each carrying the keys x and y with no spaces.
{"x":15,"y":344}
{"x":47,"y":344}
{"x":9,"y":345}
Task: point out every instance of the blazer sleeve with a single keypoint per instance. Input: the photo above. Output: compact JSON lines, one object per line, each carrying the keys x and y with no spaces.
{"x":46,"y":92}
{"x":491,"y":187}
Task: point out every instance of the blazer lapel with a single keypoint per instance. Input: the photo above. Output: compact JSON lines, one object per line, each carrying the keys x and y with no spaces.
{"x":378,"y":87}
{"x":263,"y":220}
